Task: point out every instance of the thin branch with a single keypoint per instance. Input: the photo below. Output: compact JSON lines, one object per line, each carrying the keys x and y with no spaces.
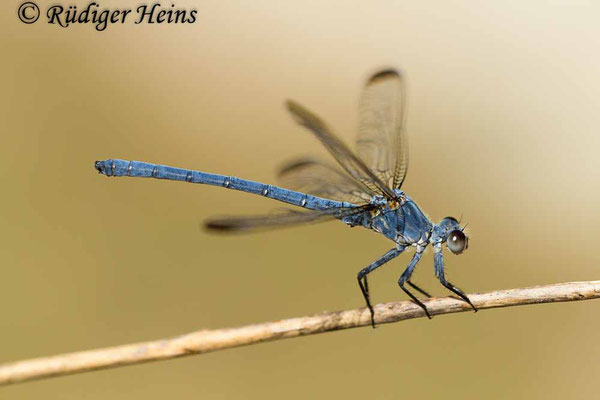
{"x":205,"y":341}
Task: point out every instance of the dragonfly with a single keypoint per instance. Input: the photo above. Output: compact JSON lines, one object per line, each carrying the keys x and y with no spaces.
{"x":363,"y":189}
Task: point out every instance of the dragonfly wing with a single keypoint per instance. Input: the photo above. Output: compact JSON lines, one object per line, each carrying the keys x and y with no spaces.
{"x":323,"y":180}
{"x":344,"y":156}
{"x":280,"y":219}
{"x":381,"y":141}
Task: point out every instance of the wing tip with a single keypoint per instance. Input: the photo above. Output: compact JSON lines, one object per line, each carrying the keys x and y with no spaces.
{"x":385,"y":74}
{"x":303,"y":116}
{"x":219,"y":226}
{"x":295,"y":109}
{"x":291,"y":165}
{"x":291,"y":105}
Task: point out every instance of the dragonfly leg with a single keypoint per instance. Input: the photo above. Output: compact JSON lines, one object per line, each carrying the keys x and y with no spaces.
{"x":362,"y":277}
{"x":405,"y":278}
{"x":438,"y":263}
{"x":418,"y":289}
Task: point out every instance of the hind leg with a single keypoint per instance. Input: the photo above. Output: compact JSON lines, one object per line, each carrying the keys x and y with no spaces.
{"x":362,"y":277}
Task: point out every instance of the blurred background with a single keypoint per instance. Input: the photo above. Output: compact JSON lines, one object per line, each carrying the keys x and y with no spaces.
{"x":503,"y":129}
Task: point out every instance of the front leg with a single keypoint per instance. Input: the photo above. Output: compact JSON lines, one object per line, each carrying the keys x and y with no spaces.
{"x":438,"y":263}
{"x":362,"y":277}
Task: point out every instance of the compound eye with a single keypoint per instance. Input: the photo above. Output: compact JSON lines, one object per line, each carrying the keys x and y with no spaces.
{"x":457,"y":242}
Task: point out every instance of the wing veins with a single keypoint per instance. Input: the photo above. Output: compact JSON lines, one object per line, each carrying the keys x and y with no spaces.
{"x":232,"y":224}
{"x":353,"y":165}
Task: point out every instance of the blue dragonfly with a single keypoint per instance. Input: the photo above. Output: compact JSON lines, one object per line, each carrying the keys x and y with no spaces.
{"x":366,"y":191}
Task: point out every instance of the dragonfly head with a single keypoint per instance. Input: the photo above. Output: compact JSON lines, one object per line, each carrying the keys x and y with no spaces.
{"x":451,"y":232}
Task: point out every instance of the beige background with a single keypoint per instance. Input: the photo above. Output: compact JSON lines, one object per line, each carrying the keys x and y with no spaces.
{"x":503,"y":123}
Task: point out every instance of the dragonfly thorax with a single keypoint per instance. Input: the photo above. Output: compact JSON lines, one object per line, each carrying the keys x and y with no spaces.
{"x":385,"y":204}
{"x":378,"y":200}
{"x":399,"y":193}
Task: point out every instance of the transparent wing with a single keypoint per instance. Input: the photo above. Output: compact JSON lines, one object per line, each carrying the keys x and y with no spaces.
{"x":344,"y":156}
{"x":323,"y":180}
{"x":381,"y":142}
{"x":281,"y":219}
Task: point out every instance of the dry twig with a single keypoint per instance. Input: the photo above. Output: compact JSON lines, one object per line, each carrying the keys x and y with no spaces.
{"x":210,"y":340}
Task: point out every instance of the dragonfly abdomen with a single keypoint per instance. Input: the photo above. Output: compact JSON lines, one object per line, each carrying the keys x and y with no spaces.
{"x":115,"y":167}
